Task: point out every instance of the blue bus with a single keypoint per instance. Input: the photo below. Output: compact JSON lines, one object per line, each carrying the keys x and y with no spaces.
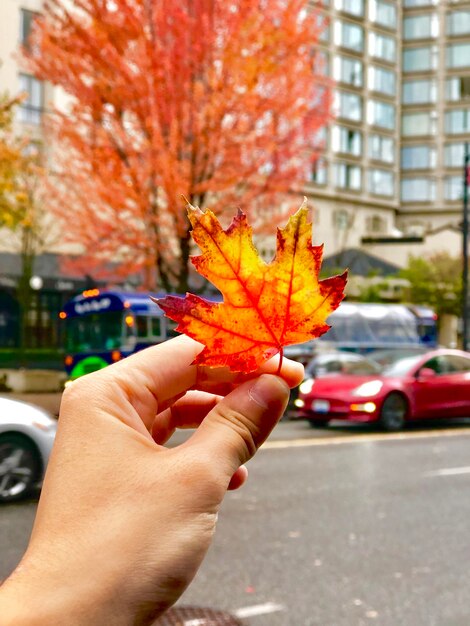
{"x":105,"y":326}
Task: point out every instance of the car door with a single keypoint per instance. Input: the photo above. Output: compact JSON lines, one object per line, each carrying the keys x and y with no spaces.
{"x":459,"y":374}
{"x":436,"y":396}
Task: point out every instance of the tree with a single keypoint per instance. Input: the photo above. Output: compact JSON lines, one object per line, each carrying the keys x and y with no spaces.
{"x":215,"y":102}
{"x":436,"y":281}
{"x":21,"y":176}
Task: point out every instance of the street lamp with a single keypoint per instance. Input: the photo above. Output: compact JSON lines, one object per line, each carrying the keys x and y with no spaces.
{"x":465,"y":233}
{"x":36,"y":283}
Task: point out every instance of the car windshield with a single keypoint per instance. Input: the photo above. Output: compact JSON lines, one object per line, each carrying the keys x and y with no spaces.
{"x":401,"y":367}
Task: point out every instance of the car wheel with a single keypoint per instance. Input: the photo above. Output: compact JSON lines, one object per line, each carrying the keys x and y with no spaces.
{"x":20,"y":467}
{"x":393,"y":412}
{"x":318,"y":423}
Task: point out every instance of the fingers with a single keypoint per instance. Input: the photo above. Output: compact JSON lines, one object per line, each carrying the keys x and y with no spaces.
{"x":239,"y":478}
{"x":153,"y":378}
{"x":187,"y":412}
{"x":236,"y":427}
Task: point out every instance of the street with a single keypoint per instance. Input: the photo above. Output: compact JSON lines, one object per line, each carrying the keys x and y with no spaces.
{"x":338,"y":528}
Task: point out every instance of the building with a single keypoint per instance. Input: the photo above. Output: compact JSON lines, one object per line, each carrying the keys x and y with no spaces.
{"x":392,"y":159}
{"x":51,"y":284}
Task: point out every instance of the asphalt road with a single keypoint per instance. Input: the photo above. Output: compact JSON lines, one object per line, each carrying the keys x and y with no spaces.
{"x":346,"y":528}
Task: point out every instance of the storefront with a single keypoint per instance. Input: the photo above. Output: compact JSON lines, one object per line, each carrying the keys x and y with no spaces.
{"x":50,"y":289}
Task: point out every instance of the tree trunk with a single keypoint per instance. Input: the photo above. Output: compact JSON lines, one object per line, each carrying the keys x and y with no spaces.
{"x":24,"y":283}
{"x":183,"y":274}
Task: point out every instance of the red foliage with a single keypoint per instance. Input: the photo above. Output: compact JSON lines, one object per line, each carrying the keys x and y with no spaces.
{"x":265,"y":306}
{"x":211,"y":101}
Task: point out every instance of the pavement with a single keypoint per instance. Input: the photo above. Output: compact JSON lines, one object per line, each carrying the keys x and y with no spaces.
{"x":340,"y":531}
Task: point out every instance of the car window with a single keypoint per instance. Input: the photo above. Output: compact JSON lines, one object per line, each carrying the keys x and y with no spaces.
{"x":351,"y":364}
{"x":458,"y":364}
{"x":438,"y":364}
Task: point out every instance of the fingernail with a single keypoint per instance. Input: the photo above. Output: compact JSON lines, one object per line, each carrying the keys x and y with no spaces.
{"x":269,"y":390}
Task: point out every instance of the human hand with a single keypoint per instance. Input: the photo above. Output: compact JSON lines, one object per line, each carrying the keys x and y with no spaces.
{"x":123,"y":523}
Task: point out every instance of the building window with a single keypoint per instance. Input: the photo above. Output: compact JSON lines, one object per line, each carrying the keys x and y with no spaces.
{"x":381,"y":182}
{"x":382,"y":80}
{"x":419,"y":91}
{"x":418,"y":157}
{"x":457,"y":88}
{"x":453,"y":188}
{"x":383,"y":13}
{"x":418,"y":189}
{"x":458,"y":55}
{"x":375,"y":224}
{"x":342,"y":220}
{"x":31,"y":108}
{"x":454,"y":154}
{"x":457,"y":121}
{"x":420,"y":26}
{"x":320,"y":138}
{"x":381,"y":148}
{"x":458,"y":22}
{"x":321,"y":63}
{"x":347,"y":70}
{"x":349,"y":36}
{"x":418,"y":124}
{"x":419,"y":3}
{"x":26,"y":24}
{"x":420,"y":59}
{"x":319,"y":172}
{"x":348,"y":105}
{"x":323,"y":24}
{"x":346,"y":140}
{"x":382,"y":47}
{"x":354,"y":7}
{"x":348,"y":176}
{"x":380,"y":114}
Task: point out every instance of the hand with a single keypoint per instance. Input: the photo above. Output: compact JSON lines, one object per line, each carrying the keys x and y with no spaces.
{"x":123,"y":523}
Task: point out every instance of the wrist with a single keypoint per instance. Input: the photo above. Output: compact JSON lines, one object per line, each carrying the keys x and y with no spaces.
{"x":35,"y":599}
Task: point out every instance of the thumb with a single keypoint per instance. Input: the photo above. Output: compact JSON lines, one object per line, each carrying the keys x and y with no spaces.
{"x":236,"y":427}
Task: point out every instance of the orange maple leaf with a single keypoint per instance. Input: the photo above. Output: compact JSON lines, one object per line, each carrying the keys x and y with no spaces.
{"x":266,"y":306}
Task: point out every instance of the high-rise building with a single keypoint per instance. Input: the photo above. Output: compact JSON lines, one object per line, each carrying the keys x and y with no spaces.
{"x":393,"y":156}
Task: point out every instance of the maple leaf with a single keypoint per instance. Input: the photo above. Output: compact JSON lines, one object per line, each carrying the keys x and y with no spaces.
{"x":266,"y":306}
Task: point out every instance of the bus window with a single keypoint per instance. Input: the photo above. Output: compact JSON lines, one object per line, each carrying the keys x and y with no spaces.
{"x":170,"y":329}
{"x":141,"y":326}
{"x":155,"y":327}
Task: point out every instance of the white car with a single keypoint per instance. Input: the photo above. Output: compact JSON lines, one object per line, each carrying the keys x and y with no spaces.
{"x":27,"y":434}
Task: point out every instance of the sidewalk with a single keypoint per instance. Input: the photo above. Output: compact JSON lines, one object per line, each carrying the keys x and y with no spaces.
{"x":48,"y":401}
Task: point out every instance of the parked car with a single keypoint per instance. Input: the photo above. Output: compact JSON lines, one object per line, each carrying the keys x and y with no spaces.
{"x":27,"y":433}
{"x":423,"y":386}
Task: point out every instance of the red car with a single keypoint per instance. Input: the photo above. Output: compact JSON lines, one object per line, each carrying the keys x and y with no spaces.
{"x":423,"y":386}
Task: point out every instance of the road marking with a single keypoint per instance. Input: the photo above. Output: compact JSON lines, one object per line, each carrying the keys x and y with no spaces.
{"x":341,"y":440}
{"x":258,"y":609}
{"x":449,"y":471}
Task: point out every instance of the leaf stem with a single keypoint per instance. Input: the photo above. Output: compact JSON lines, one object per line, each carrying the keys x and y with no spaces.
{"x":279,"y":367}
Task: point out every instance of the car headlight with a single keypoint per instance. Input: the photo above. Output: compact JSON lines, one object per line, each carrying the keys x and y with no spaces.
{"x":370,"y":388}
{"x":306,"y":386}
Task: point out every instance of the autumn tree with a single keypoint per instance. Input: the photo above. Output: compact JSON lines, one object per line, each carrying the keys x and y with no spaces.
{"x":215,"y":102}
{"x":21,"y":207}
